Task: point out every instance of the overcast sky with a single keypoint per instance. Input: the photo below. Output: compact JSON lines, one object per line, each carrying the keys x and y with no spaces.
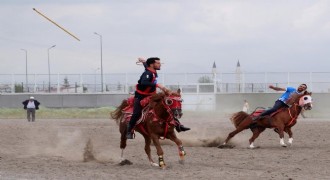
{"x":188,"y":35}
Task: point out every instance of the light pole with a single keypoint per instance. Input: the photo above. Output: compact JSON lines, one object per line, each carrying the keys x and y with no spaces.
{"x":49,"y":68}
{"x":26,"y":76}
{"x":101,"y":60}
{"x":95,"y":78}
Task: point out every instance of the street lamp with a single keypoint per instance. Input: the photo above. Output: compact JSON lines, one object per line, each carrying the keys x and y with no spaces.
{"x":26,"y":76}
{"x":49,"y":68}
{"x":101,"y":60}
{"x":95,"y":78}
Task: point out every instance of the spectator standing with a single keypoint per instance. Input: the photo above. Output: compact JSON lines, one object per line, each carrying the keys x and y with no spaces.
{"x":246,"y":106}
{"x":31,"y":105}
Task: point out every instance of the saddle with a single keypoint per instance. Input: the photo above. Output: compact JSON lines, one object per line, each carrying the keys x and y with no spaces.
{"x":128,"y":110}
{"x":147,"y":111}
{"x":260,"y":110}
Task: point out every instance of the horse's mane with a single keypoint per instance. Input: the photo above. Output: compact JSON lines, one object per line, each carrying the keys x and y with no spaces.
{"x":156,"y":98}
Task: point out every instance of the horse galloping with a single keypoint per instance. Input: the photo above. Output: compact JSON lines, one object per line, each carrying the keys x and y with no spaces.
{"x":281,"y":121}
{"x":157,"y":121}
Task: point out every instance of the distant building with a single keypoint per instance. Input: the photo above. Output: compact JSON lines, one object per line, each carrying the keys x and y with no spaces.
{"x":214,"y":72}
{"x":239,"y":77}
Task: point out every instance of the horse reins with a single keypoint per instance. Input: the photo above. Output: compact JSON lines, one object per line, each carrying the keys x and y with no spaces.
{"x":293,"y":118}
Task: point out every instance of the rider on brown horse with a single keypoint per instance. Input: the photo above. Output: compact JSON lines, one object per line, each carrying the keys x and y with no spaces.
{"x":282,"y":101}
{"x":146,"y":86}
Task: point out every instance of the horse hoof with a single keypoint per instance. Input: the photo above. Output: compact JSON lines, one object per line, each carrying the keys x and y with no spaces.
{"x":284,"y":145}
{"x":163,"y":167}
{"x":125,"y":162}
{"x":254,"y":147}
{"x":181,"y":161}
{"x":154,"y":164}
{"x":226,"y":146}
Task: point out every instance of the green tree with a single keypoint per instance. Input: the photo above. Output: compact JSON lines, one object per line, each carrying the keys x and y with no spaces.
{"x":66,"y":83}
{"x":18,"y":88}
{"x":205,"y":79}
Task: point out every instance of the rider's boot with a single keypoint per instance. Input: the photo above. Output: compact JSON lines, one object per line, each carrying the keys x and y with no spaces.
{"x":179,"y":127}
{"x":129,"y":134}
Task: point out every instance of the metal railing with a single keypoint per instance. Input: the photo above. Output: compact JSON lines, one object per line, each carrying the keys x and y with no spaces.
{"x":187,"y":82}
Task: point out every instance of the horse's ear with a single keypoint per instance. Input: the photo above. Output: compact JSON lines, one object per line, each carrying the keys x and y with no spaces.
{"x":179,"y":91}
{"x":307,"y":93}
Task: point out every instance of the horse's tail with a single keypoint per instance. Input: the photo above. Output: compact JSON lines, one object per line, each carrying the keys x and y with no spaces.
{"x":238,"y":117}
{"x":118,"y":113}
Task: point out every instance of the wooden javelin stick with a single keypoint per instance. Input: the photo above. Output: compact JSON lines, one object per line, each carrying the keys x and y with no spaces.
{"x":56,"y":24}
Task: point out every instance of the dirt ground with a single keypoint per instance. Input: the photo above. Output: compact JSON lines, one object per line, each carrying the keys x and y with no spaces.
{"x":54,"y":149}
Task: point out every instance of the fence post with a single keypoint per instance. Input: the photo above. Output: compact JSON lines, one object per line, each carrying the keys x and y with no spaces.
{"x":126,"y":89}
{"x":81,"y":83}
{"x":58,"y":83}
{"x":310,"y":81}
{"x":35,"y":83}
{"x":12,"y":83}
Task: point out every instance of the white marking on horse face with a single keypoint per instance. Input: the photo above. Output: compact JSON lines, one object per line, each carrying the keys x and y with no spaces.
{"x":305,"y":100}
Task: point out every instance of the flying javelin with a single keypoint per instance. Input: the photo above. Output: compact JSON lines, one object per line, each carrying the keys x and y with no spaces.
{"x":56,"y":24}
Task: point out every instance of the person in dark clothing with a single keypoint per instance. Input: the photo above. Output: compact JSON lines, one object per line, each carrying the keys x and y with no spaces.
{"x":147,"y":85}
{"x":31,"y":105}
{"x":282,"y":101}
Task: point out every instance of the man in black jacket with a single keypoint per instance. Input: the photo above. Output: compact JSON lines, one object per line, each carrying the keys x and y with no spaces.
{"x":31,"y":105}
{"x":146,"y":86}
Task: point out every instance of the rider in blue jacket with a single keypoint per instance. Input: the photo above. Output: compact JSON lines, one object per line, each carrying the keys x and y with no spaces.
{"x":282,"y":101}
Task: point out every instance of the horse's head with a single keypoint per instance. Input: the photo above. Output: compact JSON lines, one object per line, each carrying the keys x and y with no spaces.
{"x":306,"y":100}
{"x":303,"y":100}
{"x":173,"y":101}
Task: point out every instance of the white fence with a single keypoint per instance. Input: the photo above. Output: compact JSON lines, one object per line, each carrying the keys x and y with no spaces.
{"x":188,"y":82}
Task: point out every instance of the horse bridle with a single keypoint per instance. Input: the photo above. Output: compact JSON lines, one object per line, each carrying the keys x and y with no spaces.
{"x":173,"y":103}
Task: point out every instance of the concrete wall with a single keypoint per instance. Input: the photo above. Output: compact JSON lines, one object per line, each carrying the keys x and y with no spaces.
{"x":220,"y":103}
{"x":63,"y":100}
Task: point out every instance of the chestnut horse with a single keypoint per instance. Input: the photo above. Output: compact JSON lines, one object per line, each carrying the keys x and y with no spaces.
{"x":158,"y":121}
{"x":281,"y":121}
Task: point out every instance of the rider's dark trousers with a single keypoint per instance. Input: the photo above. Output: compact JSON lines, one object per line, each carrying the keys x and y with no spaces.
{"x":278,"y":104}
{"x":137,"y":111}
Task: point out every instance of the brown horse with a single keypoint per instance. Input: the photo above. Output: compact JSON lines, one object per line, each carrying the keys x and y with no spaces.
{"x":158,"y":121}
{"x":282,"y":121}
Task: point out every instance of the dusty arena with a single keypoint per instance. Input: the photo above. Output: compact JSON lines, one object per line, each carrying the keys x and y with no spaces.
{"x":89,"y":149}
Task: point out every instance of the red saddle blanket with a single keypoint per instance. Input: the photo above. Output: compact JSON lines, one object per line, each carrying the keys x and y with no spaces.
{"x":146,"y":111}
{"x":128,"y":110}
{"x":258,"y":111}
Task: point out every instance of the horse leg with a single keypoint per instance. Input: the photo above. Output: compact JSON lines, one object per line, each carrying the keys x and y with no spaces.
{"x":289,"y":132}
{"x":160,"y":153}
{"x":245,"y":124}
{"x":178,"y":142}
{"x":123,"y":139}
{"x":281,"y":133}
{"x":256,"y":132}
{"x":148,"y":150}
